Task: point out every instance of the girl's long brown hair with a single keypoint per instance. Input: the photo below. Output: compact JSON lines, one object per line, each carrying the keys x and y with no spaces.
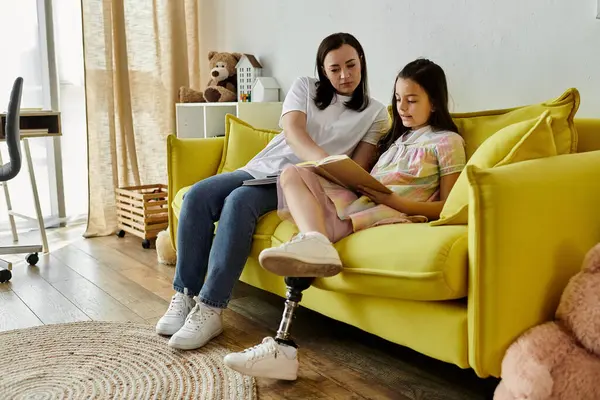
{"x":432,"y":79}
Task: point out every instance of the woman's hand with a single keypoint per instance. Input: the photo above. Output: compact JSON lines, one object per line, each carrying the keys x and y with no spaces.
{"x":294,"y":129}
{"x":389,"y":199}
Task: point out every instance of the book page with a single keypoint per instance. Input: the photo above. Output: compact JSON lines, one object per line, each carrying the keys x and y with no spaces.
{"x":325,"y":160}
{"x":345,"y":172}
{"x":333,"y":158}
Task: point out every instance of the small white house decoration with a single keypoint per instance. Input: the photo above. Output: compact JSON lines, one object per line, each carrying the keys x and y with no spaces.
{"x":248,"y":69}
{"x":265,"y":89}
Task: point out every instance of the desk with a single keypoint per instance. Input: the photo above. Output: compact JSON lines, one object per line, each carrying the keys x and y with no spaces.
{"x":35,"y":124}
{"x":41,"y":124}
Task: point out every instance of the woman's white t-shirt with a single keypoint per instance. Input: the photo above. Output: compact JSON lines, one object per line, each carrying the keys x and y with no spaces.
{"x":337,"y":129}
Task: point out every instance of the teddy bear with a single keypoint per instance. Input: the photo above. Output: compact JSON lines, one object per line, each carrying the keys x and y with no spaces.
{"x":560,"y":360}
{"x":222,"y":85}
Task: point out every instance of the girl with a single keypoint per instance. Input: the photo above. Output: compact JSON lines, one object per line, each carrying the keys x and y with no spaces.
{"x":331,"y":115}
{"x":421,"y":158}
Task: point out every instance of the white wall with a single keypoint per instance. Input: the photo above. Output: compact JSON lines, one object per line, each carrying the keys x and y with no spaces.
{"x":496,"y":53}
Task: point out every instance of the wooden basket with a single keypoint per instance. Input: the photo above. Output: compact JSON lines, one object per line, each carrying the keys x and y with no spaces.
{"x":142,"y":211}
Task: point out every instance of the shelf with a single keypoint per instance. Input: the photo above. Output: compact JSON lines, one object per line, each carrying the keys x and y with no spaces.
{"x":223,"y":104}
{"x":204,"y":120}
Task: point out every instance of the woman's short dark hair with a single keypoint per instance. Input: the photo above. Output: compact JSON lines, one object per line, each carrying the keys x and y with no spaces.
{"x":325,"y":91}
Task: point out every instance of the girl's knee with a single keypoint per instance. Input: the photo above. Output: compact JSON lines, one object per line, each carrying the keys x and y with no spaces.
{"x":289,"y":175}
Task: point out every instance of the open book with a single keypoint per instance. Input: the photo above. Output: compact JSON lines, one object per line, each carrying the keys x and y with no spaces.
{"x":342,"y":170}
{"x":271,"y":179}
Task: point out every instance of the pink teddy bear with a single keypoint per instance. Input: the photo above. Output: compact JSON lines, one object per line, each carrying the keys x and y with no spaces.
{"x":560,"y":360}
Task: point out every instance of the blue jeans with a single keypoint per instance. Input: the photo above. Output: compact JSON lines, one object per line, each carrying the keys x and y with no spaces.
{"x":207,"y":267}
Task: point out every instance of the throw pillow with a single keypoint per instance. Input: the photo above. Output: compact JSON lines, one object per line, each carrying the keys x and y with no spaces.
{"x":476,"y":127}
{"x":242,"y":143}
{"x":526,"y":140}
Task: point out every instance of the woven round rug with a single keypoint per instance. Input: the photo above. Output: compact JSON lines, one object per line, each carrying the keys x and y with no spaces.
{"x":102,"y":360}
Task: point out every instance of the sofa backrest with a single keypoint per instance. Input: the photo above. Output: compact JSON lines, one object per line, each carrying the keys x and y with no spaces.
{"x":588,"y":132}
{"x":570,"y":135}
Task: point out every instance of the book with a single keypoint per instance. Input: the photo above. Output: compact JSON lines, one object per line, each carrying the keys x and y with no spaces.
{"x":269,"y":180}
{"x":342,"y":170}
{"x":339,"y":169}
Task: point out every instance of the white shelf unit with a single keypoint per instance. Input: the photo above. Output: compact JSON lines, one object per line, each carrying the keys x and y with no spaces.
{"x":204,"y":120}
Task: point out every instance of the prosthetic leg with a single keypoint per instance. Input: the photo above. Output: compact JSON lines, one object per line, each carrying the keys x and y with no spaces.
{"x":295,"y":287}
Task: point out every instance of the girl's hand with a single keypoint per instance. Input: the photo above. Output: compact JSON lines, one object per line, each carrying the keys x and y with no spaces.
{"x":378,"y":197}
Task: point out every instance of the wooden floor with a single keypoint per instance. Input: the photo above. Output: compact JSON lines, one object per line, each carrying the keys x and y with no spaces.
{"x":112,"y":279}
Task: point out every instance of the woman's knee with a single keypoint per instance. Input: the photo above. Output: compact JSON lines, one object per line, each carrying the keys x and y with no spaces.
{"x":240,"y":205}
{"x":197,"y":201}
{"x":196,"y":193}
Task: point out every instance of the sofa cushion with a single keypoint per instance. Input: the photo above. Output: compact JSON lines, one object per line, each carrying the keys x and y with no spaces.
{"x":476,"y":127}
{"x":402,"y":261}
{"x":526,"y":140}
{"x":242,"y":143}
{"x":178,"y":200}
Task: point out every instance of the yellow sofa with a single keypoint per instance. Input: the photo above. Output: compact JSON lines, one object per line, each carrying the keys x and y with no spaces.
{"x":458,"y":293}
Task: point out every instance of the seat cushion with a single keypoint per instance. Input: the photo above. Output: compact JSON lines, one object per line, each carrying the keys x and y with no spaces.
{"x":178,"y":200}
{"x":402,"y":261}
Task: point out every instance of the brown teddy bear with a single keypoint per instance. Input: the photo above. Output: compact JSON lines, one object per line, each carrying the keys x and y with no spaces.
{"x":560,"y":360}
{"x":222,"y":86}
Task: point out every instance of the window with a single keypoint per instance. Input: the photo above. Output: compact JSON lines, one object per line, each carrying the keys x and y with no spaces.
{"x":19,"y":21}
{"x":25,"y":21}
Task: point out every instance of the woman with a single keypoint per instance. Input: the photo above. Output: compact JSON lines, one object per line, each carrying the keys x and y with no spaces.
{"x":331,"y":115}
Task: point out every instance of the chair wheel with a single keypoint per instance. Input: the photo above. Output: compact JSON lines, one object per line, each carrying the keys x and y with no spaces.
{"x":5,"y":275}
{"x":146,"y":243}
{"x":32,"y":258}
{"x":121,"y":233}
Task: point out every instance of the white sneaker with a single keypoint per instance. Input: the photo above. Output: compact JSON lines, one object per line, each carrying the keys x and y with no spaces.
{"x":174,"y":318}
{"x":306,"y":255}
{"x":201,"y":325}
{"x":266,"y":360}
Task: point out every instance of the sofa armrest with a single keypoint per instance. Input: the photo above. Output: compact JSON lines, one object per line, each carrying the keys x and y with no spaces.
{"x":190,"y":161}
{"x":530,"y":226}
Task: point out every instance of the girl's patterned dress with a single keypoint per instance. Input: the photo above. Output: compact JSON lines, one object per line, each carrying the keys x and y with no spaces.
{"x":411,"y":167}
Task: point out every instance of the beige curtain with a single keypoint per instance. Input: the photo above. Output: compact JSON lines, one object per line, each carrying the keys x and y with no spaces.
{"x":137,"y":53}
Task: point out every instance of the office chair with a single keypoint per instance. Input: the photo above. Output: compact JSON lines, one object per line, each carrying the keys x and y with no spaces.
{"x":9,"y":170}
